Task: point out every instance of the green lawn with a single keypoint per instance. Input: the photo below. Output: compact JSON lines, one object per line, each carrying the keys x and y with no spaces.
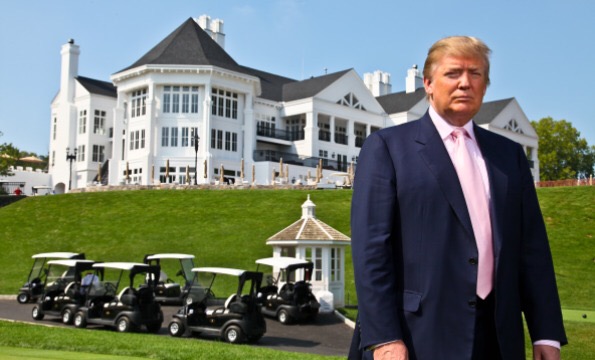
{"x":106,"y":342}
{"x":230,"y":228}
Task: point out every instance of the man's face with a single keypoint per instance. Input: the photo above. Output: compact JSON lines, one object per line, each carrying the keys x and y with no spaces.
{"x":457,"y":88}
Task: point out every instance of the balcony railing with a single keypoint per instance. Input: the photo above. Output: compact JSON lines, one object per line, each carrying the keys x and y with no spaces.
{"x":289,"y":158}
{"x":324,"y":135}
{"x":280,"y":134}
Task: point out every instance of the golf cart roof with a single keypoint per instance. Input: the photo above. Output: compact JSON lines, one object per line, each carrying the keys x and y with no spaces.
{"x":169,"y":256}
{"x":57,"y":255}
{"x":219,"y":270}
{"x":281,"y":261}
{"x":70,"y":262}
{"x":121,"y":265}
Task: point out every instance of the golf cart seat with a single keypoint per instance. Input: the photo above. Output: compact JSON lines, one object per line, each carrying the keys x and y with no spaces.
{"x":287,"y":291}
{"x":213,"y":310}
{"x":126,"y":296}
{"x":69,"y":292}
{"x":269,"y":290}
{"x":169,"y":289}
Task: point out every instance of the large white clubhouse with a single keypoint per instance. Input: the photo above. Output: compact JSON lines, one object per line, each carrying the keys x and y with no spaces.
{"x":141,"y":127}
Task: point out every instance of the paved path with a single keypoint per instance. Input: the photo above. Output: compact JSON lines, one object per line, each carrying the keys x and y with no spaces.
{"x":328,"y":335}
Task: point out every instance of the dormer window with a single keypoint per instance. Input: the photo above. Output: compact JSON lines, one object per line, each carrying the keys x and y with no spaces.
{"x":351,"y":101}
{"x":513,"y":126}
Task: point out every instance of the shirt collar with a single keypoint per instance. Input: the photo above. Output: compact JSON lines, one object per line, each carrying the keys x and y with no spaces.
{"x":445,"y":129}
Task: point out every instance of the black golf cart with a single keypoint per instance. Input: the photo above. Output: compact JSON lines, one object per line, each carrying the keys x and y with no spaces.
{"x":169,"y":291}
{"x":33,"y":288}
{"x":63,"y":294}
{"x":235,"y":318}
{"x":285,"y":297}
{"x":122,"y":297}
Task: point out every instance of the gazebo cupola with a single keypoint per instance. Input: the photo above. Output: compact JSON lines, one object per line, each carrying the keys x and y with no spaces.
{"x":313,"y":240}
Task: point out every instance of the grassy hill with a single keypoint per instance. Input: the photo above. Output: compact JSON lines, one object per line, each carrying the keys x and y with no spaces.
{"x":230,"y":228}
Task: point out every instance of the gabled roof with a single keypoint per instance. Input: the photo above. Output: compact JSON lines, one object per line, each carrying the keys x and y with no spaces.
{"x":310,"y":87}
{"x":98,"y":87}
{"x":189,"y":44}
{"x":489,"y":110}
{"x":401,"y":101}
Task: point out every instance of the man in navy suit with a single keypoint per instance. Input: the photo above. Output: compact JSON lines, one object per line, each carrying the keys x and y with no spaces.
{"x":415,"y":235}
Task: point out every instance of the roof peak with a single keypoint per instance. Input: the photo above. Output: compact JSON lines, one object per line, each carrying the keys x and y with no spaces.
{"x":188,"y":44}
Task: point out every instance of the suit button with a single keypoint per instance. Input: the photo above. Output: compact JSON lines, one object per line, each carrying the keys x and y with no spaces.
{"x":472,"y":303}
{"x":473,"y":261}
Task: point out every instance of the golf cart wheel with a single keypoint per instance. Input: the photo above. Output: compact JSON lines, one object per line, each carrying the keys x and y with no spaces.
{"x":23,"y":298}
{"x":176,"y":328}
{"x":154,"y":327}
{"x":79,"y":320}
{"x":124,"y":324}
{"x":67,"y":316}
{"x":36,"y":313}
{"x":233,"y":334}
{"x":283,"y":317}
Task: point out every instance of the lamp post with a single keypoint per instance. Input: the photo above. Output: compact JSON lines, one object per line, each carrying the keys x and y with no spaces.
{"x":196,"y":139}
{"x":70,"y":157}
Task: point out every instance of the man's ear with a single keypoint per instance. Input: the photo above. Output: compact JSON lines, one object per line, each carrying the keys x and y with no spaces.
{"x":428,"y":86}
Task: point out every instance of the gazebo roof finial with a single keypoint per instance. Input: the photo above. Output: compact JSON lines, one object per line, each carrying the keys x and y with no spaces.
{"x":308,"y":209}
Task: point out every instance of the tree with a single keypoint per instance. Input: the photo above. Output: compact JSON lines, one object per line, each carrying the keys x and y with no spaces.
{"x":8,"y":157}
{"x":563,"y":154}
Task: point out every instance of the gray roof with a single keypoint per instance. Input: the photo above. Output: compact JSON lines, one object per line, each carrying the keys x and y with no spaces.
{"x":489,"y":110}
{"x":310,"y":87}
{"x":189,"y":44}
{"x":401,"y":101}
{"x":270,"y":84}
{"x":98,"y":87}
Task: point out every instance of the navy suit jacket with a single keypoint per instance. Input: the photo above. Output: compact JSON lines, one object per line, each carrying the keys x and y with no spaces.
{"x":414,"y":252}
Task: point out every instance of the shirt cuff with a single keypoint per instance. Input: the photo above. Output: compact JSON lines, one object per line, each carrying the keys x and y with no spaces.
{"x":552,"y":343}
{"x":373,"y":347}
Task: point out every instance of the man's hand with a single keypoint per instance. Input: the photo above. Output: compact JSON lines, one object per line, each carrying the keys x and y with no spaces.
{"x":391,"y":351}
{"x":544,"y":352}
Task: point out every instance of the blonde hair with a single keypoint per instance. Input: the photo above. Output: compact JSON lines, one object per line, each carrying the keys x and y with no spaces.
{"x":464,"y":46}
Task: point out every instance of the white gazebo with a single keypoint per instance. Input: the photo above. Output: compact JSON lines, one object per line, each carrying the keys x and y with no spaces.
{"x":313,"y":240}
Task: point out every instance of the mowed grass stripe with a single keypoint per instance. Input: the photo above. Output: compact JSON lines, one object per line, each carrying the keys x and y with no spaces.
{"x":13,"y":353}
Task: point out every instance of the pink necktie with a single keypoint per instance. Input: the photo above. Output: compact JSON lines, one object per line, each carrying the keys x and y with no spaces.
{"x":477,"y":205}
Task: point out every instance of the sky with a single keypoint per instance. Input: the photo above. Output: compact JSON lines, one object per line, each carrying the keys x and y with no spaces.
{"x":542,"y":51}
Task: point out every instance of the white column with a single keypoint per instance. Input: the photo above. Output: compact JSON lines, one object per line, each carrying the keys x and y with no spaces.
{"x":119,"y":126}
{"x":332,"y":129}
{"x":249,"y":135}
{"x":205,"y":136}
{"x":311,"y":131}
{"x":350,"y":134}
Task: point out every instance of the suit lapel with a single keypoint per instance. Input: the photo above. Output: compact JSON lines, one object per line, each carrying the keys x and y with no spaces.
{"x":434,"y":154}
